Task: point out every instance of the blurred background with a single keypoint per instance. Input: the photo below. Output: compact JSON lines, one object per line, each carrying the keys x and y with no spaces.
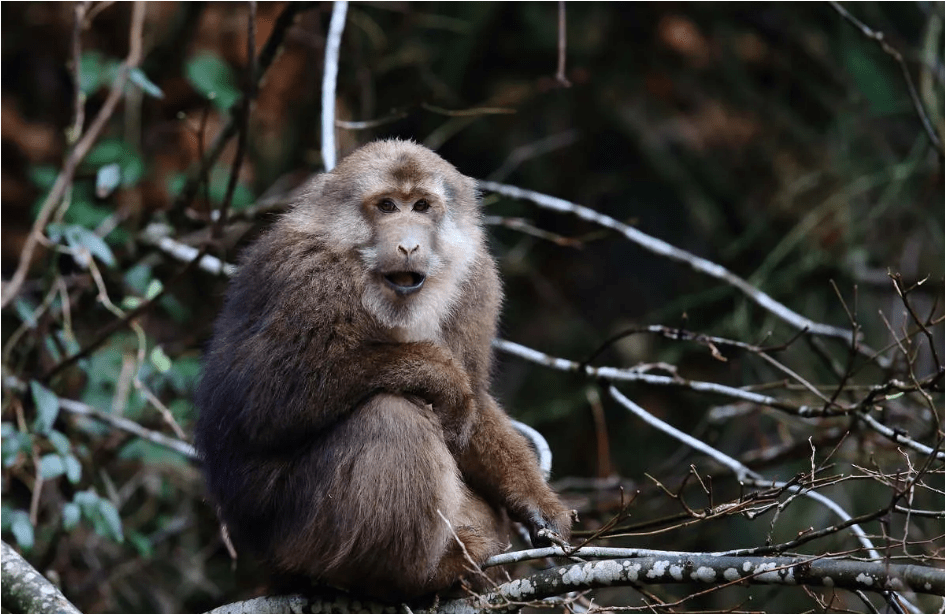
{"x":774,"y":139}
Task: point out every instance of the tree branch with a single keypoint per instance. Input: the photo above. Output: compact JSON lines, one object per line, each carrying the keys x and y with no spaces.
{"x":329,"y":82}
{"x":26,"y":591}
{"x":657,"y":246}
{"x":669,"y":568}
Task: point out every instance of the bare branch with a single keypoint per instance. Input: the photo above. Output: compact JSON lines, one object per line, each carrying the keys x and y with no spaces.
{"x":638,"y":375}
{"x":560,"y":76}
{"x":880,"y":39}
{"x":266,"y":57}
{"x":329,"y":81}
{"x":662,"y":248}
{"x":242,"y":114}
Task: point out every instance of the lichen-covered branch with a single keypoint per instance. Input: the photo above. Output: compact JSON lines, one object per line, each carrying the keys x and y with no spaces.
{"x":669,"y":568}
{"x":26,"y":591}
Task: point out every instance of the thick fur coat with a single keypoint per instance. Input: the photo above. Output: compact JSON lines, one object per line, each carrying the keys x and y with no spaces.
{"x":345,"y":405}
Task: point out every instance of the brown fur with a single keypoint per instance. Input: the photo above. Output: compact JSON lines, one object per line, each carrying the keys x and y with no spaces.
{"x":345,"y":405}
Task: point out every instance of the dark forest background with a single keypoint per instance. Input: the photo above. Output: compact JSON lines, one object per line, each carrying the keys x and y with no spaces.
{"x":778,"y":140}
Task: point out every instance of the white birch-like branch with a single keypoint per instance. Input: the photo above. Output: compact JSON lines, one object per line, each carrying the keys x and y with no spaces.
{"x":614,"y":374}
{"x":158,"y":235}
{"x":542,"y":449}
{"x":662,"y":248}
{"x":330,"y":81}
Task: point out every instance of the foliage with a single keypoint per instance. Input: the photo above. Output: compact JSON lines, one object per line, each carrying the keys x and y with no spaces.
{"x":777,"y":141}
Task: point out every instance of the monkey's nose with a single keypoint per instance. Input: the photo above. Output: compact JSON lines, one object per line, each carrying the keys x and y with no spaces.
{"x":408,"y":249}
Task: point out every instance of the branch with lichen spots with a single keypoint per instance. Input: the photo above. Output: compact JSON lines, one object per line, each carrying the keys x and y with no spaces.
{"x":671,"y":568}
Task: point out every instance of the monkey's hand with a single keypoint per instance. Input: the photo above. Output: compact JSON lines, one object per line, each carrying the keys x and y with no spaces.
{"x":549,"y":529}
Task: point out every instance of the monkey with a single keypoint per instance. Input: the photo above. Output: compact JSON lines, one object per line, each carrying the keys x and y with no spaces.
{"x":347,"y":430}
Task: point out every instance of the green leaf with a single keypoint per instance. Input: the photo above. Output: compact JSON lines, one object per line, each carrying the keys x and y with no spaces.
{"x":141,"y":543}
{"x":138,"y":277}
{"x":83,"y":211}
{"x":870,"y":72}
{"x":117,"y":151}
{"x":110,"y":525}
{"x":43,"y":176}
{"x":47,"y":407}
{"x":219,"y":180}
{"x":73,"y":469}
{"x":87,"y":500}
{"x":131,"y":302}
{"x":160,"y":360}
{"x":107,"y":179}
{"x":183,"y":377}
{"x":108,"y":151}
{"x":60,"y":442}
{"x":213,"y":78}
{"x":151,"y":453}
{"x":81,"y":237}
{"x":71,"y":514}
{"x":51,"y":466}
{"x":91,"y":72}
{"x":22,"y":529}
{"x":25,"y":310}
{"x":14,"y":442}
{"x":154,"y":288}
{"x":137,"y":76}
{"x":175,"y":184}
{"x":132,"y":170}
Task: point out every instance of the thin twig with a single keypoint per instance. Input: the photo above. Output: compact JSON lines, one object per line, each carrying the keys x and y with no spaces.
{"x":743,"y":473}
{"x":472,"y":112}
{"x":880,"y":39}
{"x":78,"y":153}
{"x":266,"y":57}
{"x":128,"y":318}
{"x":246,"y":105}
{"x":904,"y":295}
{"x":371,"y":123}
{"x":78,"y":112}
{"x":560,"y":76}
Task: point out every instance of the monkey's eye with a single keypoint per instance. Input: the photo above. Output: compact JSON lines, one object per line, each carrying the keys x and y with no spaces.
{"x":387,"y":206}
{"x":421,"y":206}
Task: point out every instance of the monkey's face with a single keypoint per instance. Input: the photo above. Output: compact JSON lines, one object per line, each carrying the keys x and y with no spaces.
{"x":403,"y":251}
{"x":412,"y":221}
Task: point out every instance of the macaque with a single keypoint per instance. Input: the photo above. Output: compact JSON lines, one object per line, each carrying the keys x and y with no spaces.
{"x":346,"y":428}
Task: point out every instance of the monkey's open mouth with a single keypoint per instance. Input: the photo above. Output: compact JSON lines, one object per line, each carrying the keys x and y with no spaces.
{"x":405,"y":282}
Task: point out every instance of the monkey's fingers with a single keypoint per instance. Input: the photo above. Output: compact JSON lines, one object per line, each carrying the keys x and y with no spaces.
{"x":552,"y":537}
{"x":545,"y":532}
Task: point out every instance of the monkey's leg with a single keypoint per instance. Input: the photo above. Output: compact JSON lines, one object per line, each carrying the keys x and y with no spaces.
{"x":382,"y":479}
{"x":499,"y":464}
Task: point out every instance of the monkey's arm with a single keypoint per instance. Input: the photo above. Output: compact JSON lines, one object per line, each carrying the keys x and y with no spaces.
{"x":298,"y":401}
{"x":499,"y":464}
